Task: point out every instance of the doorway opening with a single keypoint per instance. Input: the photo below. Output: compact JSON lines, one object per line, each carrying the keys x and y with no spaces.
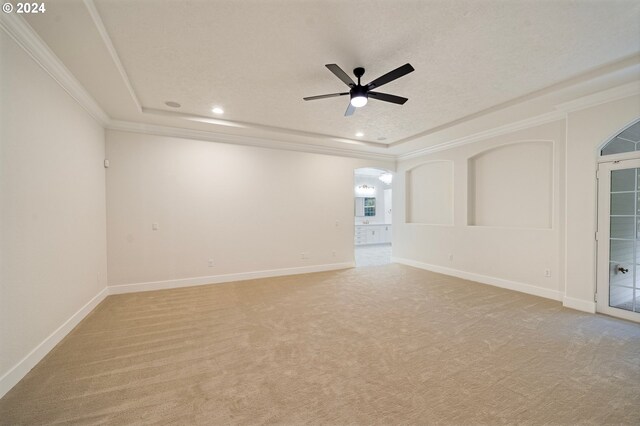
{"x":372,"y":216}
{"x":618,"y":276}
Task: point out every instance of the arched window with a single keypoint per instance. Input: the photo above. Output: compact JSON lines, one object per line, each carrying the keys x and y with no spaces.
{"x":627,"y":141}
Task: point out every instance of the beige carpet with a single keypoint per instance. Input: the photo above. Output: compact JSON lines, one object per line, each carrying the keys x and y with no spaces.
{"x":384,"y":345}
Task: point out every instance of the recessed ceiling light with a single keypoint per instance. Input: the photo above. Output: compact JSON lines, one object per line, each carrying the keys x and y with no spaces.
{"x":359,"y":134}
{"x":217,"y":110}
{"x":172,"y":104}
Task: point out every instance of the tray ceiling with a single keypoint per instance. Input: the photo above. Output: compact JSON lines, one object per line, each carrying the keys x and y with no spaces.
{"x":258,"y":59}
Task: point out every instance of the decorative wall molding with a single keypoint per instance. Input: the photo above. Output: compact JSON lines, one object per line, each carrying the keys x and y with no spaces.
{"x":18,"y":371}
{"x":20,"y":31}
{"x":484,"y":279}
{"x":177,"y":132}
{"x":226,"y":278}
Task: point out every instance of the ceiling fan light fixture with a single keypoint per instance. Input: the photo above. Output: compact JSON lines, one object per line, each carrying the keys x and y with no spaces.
{"x":359,"y":94}
{"x":359,"y":101}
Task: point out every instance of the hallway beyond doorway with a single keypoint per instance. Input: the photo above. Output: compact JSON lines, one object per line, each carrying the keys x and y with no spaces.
{"x":373,"y":255}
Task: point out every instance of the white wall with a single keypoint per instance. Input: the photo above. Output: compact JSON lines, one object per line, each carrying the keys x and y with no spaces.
{"x":429,"y":193}
{"x":519,"y":256}
{"x":248,"y":209}
{"x":512,"y":186}
{"x":52,"y":207}
{"x":508,"y":254}
{"x":587,"y":129}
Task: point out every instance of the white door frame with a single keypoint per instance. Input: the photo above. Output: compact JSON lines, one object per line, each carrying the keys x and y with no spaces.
{"x":604,"y":209}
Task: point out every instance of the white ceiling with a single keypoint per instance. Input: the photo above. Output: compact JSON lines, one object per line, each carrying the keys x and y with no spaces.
{"x":257,"y":59}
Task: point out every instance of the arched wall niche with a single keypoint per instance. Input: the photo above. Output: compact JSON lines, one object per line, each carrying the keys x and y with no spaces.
{"x":429,"y":193}
{"x":511,"y":186}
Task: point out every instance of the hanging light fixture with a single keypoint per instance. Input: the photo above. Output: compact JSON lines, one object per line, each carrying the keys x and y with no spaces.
{"x":386,"y":178}
{"x":365,"y":191}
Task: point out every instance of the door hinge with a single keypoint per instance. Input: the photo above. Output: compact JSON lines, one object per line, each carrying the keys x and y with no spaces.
{"x":595,"y":297}
{"x":597,"y":174}
{"x":596,"y":235}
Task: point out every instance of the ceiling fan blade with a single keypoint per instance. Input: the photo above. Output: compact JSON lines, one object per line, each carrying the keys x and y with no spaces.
{"x":390,"y":76}
{"x":341,"y":74}
{"x":350,"y":110}
{"x":388,"y":98}
{"x":332,"y":95}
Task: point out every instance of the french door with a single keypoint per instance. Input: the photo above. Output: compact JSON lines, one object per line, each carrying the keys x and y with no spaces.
{"x":618,"y":276}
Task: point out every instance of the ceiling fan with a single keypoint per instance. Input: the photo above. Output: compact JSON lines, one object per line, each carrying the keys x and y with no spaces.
{"x":359,"y":94}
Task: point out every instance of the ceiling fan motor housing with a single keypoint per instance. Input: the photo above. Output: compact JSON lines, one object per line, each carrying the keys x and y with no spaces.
{"x":358,"y":91}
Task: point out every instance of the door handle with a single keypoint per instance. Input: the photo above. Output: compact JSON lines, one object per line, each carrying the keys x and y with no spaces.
{"x":623,"y":270}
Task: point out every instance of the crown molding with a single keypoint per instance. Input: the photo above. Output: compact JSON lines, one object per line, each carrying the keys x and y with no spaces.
{"x":22,"y":33}
{"x":559,"y":113}
{"x":609,"y":95}
{"x":486,"y":134}
{"x":178,"y":132}
{"x":621,"y":64}
{"x":262,"y":127}
{"x":97,"y":21}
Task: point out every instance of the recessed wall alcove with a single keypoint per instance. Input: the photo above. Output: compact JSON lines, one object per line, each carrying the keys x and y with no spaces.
{"x":429,"y":193}
{"x":511,"y":186}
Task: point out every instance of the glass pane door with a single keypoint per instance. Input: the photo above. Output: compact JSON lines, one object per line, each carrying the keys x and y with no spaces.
{"x":624,"y":245}
{"x":618,"y":287}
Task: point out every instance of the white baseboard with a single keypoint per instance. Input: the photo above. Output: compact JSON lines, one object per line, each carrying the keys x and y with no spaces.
{"x":218,"y":279}
{"x":579,"y":304}
{"x":18,"y":371}
{"x":484,"y":279}
{"x":15,"y":374}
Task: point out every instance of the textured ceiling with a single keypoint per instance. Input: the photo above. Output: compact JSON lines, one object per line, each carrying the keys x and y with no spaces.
{"x":258,"y":59}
